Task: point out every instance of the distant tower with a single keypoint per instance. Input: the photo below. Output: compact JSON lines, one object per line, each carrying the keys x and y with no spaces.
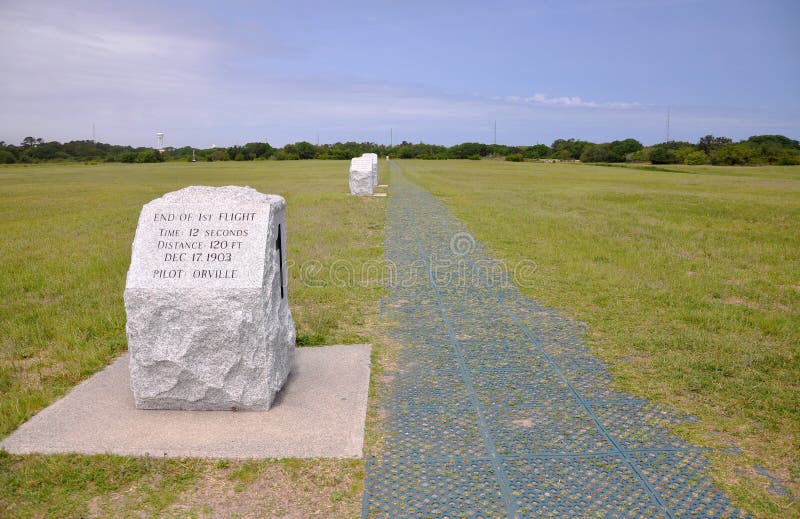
{"x":668,"y":111}
{"x":160,"y":141}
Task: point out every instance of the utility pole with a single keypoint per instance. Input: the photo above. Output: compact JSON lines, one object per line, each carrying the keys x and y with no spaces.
{"x":495,"y":132}
{"x":92,"y":132}
{"x":391,"y":137}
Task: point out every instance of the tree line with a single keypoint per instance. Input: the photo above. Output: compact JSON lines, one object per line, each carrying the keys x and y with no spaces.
{"x":758,"y":149}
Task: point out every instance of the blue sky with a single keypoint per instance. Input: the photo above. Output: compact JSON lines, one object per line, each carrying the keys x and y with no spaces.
{"x":228,"y":73}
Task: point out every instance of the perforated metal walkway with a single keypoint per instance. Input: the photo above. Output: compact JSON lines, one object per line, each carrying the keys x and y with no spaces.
{"x":499,"y":410}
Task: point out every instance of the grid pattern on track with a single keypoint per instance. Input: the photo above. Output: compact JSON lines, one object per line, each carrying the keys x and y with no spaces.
{"x":498,"y":409}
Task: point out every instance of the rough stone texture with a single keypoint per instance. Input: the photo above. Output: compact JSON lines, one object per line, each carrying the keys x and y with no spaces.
{"x":362,"y":180}
{"x":374,"y":158}
{"x":220,"y":335}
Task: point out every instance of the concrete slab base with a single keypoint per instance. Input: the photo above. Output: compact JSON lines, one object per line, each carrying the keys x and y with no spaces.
{"x":379,"y":194}
{"x":320,"y":412}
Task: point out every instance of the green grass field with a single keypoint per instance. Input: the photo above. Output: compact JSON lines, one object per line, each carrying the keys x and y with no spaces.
{"x":67,"y":233}
{"x":689,"y":282}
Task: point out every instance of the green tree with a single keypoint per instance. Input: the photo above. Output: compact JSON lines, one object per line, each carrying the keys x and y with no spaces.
{"x":622,"y":148}
{"x":232,"y":151}
{"x":683,"y":152}
{"x":258,"y":150}
{"x":709,"y":143}
{"x":642,"y":155}
{"x":149,"y":155}
{"x":538,"y":151}
{"x":732,"y":155}
{"x":6,"y":157}
{"x":660,"y":154}
{"x":772,"y":149}
{"x":47,"y":151}
{"x":467,"y":149}
{"x":128,"y":156}
{"x":405,"y":151}
{"x":81,"y":150}
{"x":501,"y":150}
{"x":615,"y":151}
{"x":788,"y":158}
{"x":596,"y":153}
{"x":778,"y":141}
{"x":696,"y":158}
{"x":283,"y":154}
{"x":29,"y":142}
{"x":304,"y":150}
{"x":568,"y":149}
{"x":220,"y":154}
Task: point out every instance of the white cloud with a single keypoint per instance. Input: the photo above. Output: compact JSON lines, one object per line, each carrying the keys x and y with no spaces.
{"x":52,"y":54}
{"x":570,"y":102}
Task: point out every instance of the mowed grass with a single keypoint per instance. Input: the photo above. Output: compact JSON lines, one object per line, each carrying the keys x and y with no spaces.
{"x":689,"y":282}
{"x":66,"y":244}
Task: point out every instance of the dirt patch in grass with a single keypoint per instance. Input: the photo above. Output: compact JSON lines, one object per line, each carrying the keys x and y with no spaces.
{"x":289,"y":489}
